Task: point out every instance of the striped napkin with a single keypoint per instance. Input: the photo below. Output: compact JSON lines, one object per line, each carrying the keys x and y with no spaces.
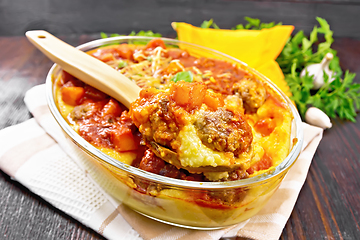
{"x":44,"y":162}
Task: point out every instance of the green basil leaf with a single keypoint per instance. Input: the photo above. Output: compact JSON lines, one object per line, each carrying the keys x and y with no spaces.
{"x":186,"y":76}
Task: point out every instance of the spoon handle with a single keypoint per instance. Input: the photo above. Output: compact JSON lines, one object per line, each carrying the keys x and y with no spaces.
{"x":85,"y":67}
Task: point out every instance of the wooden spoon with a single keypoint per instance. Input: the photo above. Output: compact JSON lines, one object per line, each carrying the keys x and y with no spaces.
{"x":105,"y":78}
{"x":85,"y":67}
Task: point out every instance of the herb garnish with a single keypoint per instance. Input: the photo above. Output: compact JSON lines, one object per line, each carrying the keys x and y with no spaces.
{"x":186,"y":76}
{"x":339,"y":98}
{"x":301,"y":50}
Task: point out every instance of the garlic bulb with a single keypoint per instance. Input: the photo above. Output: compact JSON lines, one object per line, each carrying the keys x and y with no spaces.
{"x":316,"y":117}
{"x":317,"y":70}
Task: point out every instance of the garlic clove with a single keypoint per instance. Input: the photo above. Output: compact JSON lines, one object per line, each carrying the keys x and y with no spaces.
{"x":317,"y":71}
{"x":316,"y":117}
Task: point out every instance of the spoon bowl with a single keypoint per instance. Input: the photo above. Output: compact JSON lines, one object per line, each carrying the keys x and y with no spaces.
{"x":172,"y":158}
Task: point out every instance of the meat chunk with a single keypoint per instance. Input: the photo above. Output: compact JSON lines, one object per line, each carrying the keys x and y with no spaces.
{"x":163,"y":127}
{"x":252,"y":92}
{"x":153,"y":115}
{"x":224,"y":131}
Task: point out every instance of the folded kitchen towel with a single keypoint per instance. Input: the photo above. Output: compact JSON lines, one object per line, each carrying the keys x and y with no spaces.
{"x":43,"y":161}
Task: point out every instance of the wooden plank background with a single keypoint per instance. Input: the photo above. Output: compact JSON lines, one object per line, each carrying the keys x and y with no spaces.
{"x":328,"y":206}
{"x":123,"y":16}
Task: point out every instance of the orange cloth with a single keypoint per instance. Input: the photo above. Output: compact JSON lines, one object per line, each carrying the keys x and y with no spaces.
{"x":257,"y":48}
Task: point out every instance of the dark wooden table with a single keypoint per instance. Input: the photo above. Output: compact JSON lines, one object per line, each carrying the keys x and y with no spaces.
{"x":328,"y":206}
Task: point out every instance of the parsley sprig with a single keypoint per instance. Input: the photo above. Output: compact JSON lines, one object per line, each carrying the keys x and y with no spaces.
{"x":339,"y":98}
{"x":304,"y":51}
